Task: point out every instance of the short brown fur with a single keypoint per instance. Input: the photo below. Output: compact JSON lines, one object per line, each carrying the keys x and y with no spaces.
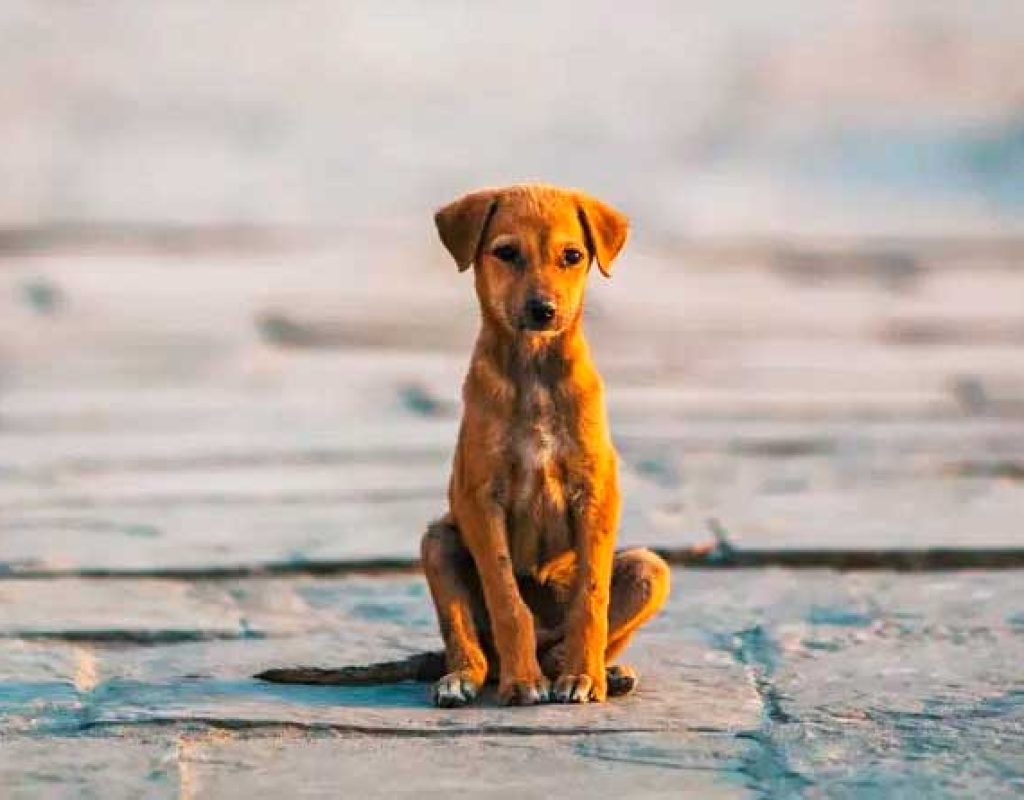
{"x":522,"y":569}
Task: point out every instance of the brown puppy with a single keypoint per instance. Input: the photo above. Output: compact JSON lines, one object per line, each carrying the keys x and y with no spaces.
{"x":522,"y":570}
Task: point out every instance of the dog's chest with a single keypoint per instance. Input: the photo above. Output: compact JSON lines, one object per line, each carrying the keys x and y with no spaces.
{"x":540,"y":445}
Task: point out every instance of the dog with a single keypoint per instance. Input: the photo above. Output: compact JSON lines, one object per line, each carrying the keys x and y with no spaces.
{"x":522,"y":569}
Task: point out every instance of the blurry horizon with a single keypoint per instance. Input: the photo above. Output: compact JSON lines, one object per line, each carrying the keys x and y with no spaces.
{"x":723,"y":119}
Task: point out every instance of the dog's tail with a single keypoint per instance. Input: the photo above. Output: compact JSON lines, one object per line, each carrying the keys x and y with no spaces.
{"x":422,"y":667}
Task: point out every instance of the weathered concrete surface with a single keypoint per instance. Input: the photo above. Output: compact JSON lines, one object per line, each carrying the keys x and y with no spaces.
{"x":92,"y":769}
{"x":218,"y":763}
{"x":692,"y":685}
{"x":157,"y":412}
{"x":767,"y":683}
{"x":891,"y":685}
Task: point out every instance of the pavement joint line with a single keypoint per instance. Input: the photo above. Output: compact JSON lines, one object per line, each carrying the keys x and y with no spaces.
{"x":134,"y":636}
{"x":937,"y":559}
{"x":271,"y":726}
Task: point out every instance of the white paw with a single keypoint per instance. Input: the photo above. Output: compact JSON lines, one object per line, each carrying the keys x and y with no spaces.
{"x":454,"y":690}
{"x":577,"y":689}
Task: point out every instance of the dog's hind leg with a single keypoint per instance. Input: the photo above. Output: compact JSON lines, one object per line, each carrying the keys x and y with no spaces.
{"x":457,"y":597}
{"x":640,"y":585}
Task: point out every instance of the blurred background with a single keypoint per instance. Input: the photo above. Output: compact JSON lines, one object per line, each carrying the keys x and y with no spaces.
{"x":702,"y":118}
{"x":228,"y":335}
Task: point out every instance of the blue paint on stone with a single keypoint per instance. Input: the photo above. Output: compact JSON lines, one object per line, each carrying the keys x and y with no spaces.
{"x":755,"y":648}
{"x":42,"y":706}
{"x":955,"y":748}
{"x":767,"y":768}
{"x":379,"y":612}
{"x":151,"y":700}
{"x":419,"y":402}
{"x":17,"y":695}
{"x":834,"y":615}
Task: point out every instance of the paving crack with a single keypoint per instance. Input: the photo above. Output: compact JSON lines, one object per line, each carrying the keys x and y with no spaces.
{"x":766,"y":765}
{"x":930,"y":559}
{"x":126,"y":636}
{"x":756,"y":651}
{"x":98,"y":725}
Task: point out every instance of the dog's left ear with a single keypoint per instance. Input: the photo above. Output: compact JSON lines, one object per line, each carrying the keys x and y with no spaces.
{"x":606,"y":230}
{"x":462,"y":223}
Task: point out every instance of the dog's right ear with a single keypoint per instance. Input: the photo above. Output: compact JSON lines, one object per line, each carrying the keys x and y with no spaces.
{"x":462,"y":224}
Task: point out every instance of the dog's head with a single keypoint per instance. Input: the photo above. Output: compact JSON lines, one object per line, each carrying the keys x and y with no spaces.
{"x":532,"y":247}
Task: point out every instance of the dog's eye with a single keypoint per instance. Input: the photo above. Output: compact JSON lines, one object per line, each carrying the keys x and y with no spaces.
{"x":571,"y":257}
{"x":508,"y":253}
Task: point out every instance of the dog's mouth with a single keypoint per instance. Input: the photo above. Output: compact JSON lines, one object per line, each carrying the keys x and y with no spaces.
{"x":535,"y":327}
{"x":532,"y":326}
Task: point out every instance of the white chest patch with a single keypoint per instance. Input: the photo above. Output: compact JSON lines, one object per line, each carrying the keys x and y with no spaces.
{"x":539,"y":525}
{"x":539,"y":446}
{"x":537,"y":449}
{"x":539,"y":443}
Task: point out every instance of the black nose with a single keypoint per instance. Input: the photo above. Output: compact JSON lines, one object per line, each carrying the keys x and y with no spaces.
{"x":540,"y":311}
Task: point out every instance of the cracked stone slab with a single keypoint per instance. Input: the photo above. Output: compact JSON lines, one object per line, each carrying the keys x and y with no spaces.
{"x":218,"y":763}
{"x":882,"y":684}
{"x":685,"y":688}
{"x":100,"y":676}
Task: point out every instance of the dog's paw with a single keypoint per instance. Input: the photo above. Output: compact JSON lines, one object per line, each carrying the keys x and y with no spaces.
{"x":622,"y":680}
{"x":524,"y":692}
{"x":455,"y":690}
{"x":580,"y":688}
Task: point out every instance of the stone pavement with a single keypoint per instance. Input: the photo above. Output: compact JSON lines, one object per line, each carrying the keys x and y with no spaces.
{"x":298,"y":404}
{"x":194,"y":445}
{"x":764,"y":683}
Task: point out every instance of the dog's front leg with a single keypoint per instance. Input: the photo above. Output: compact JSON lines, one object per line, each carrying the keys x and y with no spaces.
{"x":521,"y":681}
{"x":583,"y":675}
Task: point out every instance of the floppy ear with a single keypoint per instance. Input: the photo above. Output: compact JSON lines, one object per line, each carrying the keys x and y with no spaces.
{"x":462,"y":224}
{"x":605,"y":228}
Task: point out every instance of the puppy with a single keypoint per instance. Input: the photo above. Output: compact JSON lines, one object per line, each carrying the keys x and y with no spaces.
{"x":522,"y":570}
